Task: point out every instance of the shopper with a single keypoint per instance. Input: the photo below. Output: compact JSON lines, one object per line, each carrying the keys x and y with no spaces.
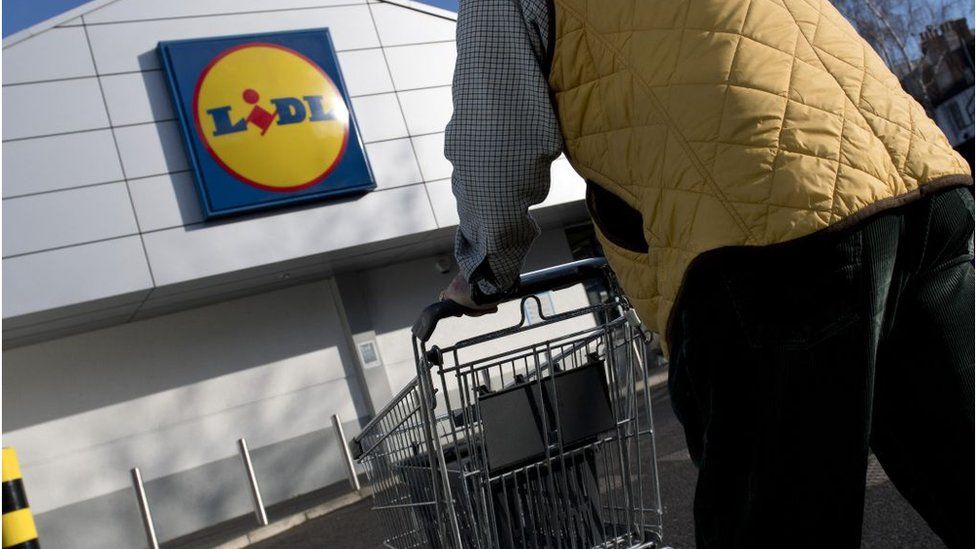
{"x":777,"y":207}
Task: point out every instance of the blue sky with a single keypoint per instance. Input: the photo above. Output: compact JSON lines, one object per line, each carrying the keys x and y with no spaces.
{"x":21,"y":14}
{"x":446,"y":4}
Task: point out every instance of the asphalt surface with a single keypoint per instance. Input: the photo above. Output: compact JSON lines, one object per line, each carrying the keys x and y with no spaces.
{"x":888,"y":520}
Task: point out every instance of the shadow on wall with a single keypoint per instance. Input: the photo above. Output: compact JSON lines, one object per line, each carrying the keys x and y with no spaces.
{"x":392,"y":310}
{"x":160,"y":103}
{"x":76,"y":374}
{"x":200,"y":497}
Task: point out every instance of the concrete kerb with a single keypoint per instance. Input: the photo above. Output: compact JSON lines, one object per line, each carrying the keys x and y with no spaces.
{"x":283,"y":525}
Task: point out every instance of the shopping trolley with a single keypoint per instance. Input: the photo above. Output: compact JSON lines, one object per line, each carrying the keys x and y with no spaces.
{"x":498,"y":443}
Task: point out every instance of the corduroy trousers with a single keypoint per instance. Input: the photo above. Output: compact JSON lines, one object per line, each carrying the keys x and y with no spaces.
{"x":790,"y":362}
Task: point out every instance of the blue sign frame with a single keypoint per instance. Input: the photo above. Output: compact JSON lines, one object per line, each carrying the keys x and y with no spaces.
{"x":222,"y":193}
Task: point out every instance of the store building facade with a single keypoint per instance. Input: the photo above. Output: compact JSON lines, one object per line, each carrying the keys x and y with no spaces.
{"x":138,"y":333}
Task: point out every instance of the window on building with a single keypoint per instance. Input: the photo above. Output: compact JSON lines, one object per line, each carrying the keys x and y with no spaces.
{"x":958,"y":118}
{"x":534,"y":311}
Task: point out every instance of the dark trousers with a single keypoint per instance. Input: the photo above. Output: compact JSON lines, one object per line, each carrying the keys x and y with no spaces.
{"x":789,"y":362}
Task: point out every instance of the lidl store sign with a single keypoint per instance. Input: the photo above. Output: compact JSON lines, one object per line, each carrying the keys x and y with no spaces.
{"x":265,"y":120}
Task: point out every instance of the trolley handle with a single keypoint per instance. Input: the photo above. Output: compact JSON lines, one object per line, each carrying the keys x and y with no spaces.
{"x":552,"y":278}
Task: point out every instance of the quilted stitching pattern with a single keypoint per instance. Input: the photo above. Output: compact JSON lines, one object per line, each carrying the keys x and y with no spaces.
{"x":732,"y":122}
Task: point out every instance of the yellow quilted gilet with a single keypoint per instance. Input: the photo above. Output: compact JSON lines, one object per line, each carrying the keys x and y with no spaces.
{"x":734,"y":122}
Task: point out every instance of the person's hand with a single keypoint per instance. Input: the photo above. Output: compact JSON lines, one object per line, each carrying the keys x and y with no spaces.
{"x":459,"y":291}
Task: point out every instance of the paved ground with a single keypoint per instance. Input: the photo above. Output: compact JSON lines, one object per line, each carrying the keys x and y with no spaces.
{"x":888,"y":522}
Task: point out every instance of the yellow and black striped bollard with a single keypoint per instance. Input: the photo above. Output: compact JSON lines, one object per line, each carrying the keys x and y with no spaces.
{"x":19,"y":531}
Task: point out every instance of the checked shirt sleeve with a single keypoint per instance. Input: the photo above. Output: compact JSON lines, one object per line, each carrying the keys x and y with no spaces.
{"x":503,"y":136}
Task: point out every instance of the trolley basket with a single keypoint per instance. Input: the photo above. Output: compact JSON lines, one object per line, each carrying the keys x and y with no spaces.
{"x":539,"y":435}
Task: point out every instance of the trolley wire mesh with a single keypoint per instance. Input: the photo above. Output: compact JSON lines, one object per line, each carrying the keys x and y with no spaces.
{"x":550,"y":444}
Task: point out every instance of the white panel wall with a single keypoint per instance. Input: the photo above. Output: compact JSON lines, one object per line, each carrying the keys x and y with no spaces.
{"x":137,"y":98}
{"x":59,"y":162}
{"x":397,"y":26}
{"x":363,"y":73}
{"x":166,"y":201}
{"x":442,"y":200}
{"x":427,"y":110}
{"x":69,"y":276}
{"x":178,"y":255}
{"x":430,"y":154}
{"x":151,"y":149}
{"x":106,"y":214}
{"x":116,"y":147}
{"x":131,"y":46}
{"x":394,"y":163}
{"x":422,"y":65}
{"x":52,"y":108}
{"x":136,"y":10}
{"x":53,"y":55}
{"x":379,"y":117}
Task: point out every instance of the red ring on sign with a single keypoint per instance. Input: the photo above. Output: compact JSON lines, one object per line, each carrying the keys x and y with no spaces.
{"x":216,"y":157}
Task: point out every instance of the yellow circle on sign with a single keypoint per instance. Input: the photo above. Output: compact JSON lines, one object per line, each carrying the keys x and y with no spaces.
{"x":271,"y":117}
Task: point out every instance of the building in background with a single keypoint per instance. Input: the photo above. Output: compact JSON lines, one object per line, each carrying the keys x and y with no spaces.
{"x":945,"y":71}
{"x":138,"y":334}
{"x":948,"y":52}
